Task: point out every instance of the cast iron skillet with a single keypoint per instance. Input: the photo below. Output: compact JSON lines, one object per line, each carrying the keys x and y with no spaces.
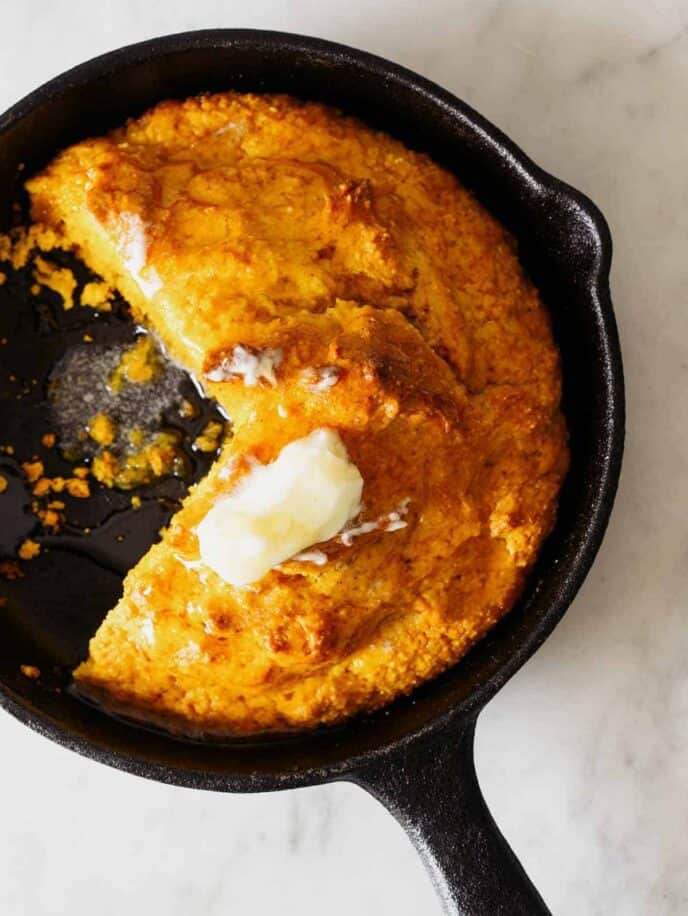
{"x":416,"y":756}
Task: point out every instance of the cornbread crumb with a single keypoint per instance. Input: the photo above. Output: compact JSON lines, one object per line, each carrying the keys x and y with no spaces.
{"x":3,"y":277}
{"x":42,"y":487}
{"x":81,"y":473}
{"x":18,"y":245}
{"x":48,"y":440}
{"x":59,"y":279}
{"x":33,"y":470}
{"x":187,"y":410}
{"x":104,"y":468}
{"x":160,"y":457}
{"x":97,"y":295}
{"x":49,"y":518}
{"x":140,"y":364}
{"x":137,"y":437}
{"x":3,"y":484}
{"x":78,"y":488}
{"x":30,"y":671}
{"x":28,"y":550}
{"x":102,"y":429}
{"x":87,"y":338}
{"x":135,"y":502}
{"x":210,"y":437}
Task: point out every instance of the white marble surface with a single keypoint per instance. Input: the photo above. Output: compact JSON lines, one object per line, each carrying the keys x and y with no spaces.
{"x":584,"y":756}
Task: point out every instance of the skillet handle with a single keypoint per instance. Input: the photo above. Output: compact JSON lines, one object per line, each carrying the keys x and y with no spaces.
{"x":434,"y":794}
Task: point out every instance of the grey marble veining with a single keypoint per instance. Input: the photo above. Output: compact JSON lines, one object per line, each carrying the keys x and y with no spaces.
{"x":584,"y":756}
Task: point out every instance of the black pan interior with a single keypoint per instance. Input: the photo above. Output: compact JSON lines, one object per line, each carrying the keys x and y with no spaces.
{"x":565,"y":246}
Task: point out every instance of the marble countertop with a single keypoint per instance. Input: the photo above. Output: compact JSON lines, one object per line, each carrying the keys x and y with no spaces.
{"x":583,"y":757}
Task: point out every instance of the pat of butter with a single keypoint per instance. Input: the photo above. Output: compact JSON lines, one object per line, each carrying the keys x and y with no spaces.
{"x":307,"y":495}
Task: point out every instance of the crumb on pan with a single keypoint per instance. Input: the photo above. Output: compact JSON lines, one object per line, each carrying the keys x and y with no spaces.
{"x":29,"y":550}
{"x":59,"y":279}
{"x":97,"y":295}
{"x":18,"y":246}
{"x":30,"y":671}
{"x":140,"y":364}
{"x":33,"y":470}
{"x":210,"y":437}
{"x":102,"y":429}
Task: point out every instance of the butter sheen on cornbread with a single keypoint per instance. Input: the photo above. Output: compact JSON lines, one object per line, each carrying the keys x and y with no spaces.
{"x":241,"y":225}
{"x":277,"y":511}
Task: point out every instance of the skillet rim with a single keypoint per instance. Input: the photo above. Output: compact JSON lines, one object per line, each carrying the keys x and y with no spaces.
{"x":609,"y":448}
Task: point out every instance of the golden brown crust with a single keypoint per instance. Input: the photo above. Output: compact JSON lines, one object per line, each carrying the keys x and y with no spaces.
{"x":272,"y":224}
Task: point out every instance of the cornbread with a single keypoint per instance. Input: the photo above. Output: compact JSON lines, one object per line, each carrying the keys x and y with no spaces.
{"x":316,"y":275}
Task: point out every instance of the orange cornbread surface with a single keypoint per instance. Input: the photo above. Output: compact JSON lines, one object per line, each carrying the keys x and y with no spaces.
{"x":270,"y":224}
